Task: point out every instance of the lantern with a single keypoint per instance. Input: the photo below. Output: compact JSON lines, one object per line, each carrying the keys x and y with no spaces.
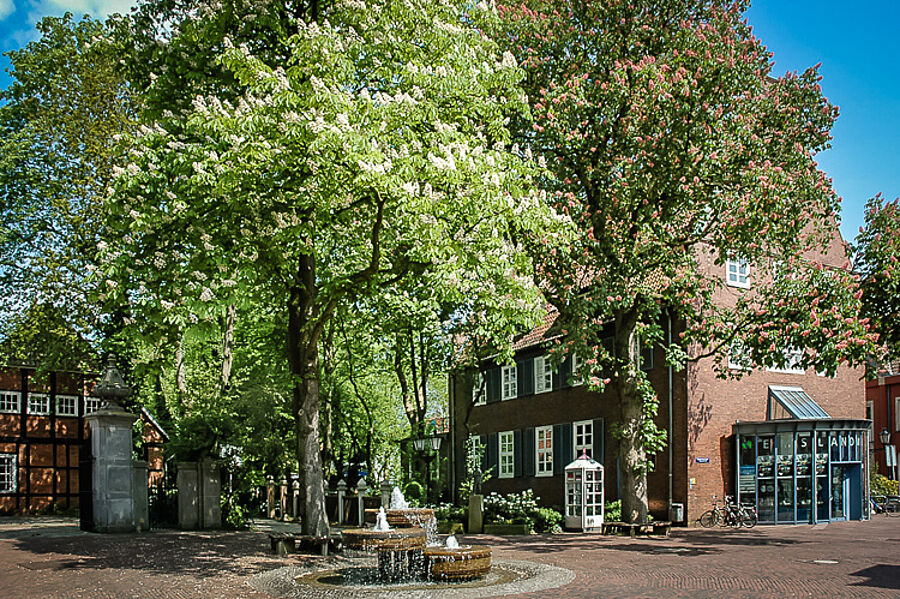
{"x":584,"y":494}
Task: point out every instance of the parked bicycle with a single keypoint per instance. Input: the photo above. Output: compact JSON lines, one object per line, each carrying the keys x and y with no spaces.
{"x":729,"y":514}
{"x":886,"y":504}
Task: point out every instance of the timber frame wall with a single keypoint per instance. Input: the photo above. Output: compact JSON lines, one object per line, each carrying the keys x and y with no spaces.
{"x":47,"y":447}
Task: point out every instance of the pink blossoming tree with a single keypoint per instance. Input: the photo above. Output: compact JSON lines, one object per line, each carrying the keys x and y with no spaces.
{"x":672,"y":147}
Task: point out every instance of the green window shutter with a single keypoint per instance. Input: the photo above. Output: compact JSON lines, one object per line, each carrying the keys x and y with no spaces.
{"x":525,"y":370}
{"x":517,"y":453}
{"x":493,"y":384}
{"x":528,"y":451}
{"x":560,"y":459}
{"x":562,"y":376}
{"x":493,"y":454}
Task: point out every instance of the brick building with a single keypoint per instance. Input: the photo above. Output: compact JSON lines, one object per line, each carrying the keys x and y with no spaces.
{"x":43,"y":433}
{"x":800,"y":434}
{"x":883,"y":409}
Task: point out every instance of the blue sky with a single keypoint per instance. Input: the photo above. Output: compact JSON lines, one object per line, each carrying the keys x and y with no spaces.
{"x":856,"y":43}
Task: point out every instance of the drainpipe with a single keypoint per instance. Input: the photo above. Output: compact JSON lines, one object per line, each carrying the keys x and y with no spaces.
{"x":451,"y":397}
{"x":669,"y":342}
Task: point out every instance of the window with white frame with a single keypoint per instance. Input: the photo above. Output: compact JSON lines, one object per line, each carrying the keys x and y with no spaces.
{"x":583,"y":437}
{"x":543,"y":446}
{"x":792,"y":358}
{"x":92,"y":404}
{"x":646,"y":353}
{"x":510,"y":382}
{"x":474,"y":454}
{"x":39,"y":404}
{"x":543,"y":375}
{"x":9,"y":402}
{"x":66,"y":405}
{"x":507,"y":455}
{"x":577,"y":379}
{"x":737,"y":272}
{"x":739,"y":355}
{"x":897,"y":413}
{"x":479,"y":393}
{"x":7,"y":473}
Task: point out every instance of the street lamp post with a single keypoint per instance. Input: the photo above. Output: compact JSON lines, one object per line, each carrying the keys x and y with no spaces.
{"x":423,"y":445}
{"x":890,"y":455}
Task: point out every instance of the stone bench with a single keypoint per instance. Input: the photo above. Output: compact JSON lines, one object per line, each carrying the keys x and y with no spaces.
{"x":660,"y":528}
{"x":287,"y":542}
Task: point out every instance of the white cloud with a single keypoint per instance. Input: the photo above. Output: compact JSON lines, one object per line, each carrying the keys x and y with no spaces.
{"x":6,"y":8}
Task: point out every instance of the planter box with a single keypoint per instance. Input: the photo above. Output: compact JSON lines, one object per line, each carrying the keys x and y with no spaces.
{"x":449,"y":528}
{"x":506,"y":529}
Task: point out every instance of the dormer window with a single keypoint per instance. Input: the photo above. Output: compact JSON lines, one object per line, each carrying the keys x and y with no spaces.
{"x":737,"y":272}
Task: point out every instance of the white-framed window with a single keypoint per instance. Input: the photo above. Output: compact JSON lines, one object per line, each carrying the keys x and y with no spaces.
{"x":792,"y":358}
{"x":543,"y":375}
{"x":739,"y":356}
{"x":475,"y":451}
{"x":66,"y":405}
{"x":7,"y":473}
{"x":543,"y":451}
{"x":510,"y":382}
{"x":737,"y":272}
{"x":507,"y":455}
{"x":897,"y":414}
{"x":92,"y":404}
{"x":646,"y":355}
{"x":38,"y":404}
{"x":583,"y":437}
{"x":479,"y":392}
{"x":577,"y":379}
{"x":9,"y":402}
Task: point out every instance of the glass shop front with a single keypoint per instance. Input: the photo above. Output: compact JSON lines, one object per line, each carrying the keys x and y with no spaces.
{"x":806,"y":471}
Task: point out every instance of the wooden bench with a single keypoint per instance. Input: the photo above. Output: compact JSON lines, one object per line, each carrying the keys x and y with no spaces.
{"x":286,"y":542}
{"x":660,"y":528}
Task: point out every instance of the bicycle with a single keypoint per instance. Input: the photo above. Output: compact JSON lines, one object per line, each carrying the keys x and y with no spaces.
{"x":729,"y":514}
{"x":889,"y":505}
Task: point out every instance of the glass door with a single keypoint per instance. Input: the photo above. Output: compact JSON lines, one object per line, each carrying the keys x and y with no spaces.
{"x":839,"y":495}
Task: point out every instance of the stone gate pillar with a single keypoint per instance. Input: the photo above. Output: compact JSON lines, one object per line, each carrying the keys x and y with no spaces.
{"x":112,"y":477}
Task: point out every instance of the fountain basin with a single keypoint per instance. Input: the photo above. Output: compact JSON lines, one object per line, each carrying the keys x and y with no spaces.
{"x":403,"y":518}
{"x":371,"y":540}
{"x":459,"y":563}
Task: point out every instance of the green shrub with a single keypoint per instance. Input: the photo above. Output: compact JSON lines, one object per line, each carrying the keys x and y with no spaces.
{"x":515,"y":508}
{"x":547,"y":520}
{"x":613,"y":510}
{"x":413,"y":492}
{"x":450,"y":513}
{"x":879,"y":484}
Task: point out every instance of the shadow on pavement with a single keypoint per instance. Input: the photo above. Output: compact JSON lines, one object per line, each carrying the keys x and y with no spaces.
{"x":882,"y":576}
{"x":734,"y":537}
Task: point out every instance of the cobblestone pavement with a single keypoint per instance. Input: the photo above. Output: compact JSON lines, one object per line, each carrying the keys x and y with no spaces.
{"x":52,"y":559}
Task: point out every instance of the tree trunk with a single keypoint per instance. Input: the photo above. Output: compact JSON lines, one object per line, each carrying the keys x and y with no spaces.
{"x":227,"y":349}
{"x":304,"y":362}
{"x":632,"y":455}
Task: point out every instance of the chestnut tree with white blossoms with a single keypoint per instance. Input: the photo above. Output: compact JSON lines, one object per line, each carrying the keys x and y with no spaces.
{"x":377,"y":153}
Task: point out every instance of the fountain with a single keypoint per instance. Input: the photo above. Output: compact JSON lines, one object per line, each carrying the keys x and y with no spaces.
{"x":406,"y":543}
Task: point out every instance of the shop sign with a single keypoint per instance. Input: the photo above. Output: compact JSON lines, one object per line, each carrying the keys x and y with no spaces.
{"x":702,"y":460}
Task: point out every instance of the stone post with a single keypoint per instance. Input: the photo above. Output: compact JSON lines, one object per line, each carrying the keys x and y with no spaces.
{"x":362,"y":488}
{"x":187,"y":480}
{"x":112,"y":477}
{"x":386,"y":488}
{"x":341,"y":491}
{"x":296,"y":497}
{"x":270,"y":497}
{"x":210,"y":494}
{"x":284,"y":498}
{"x":476,"y":513}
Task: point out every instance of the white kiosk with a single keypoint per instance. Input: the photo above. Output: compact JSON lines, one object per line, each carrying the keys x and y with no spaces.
{"x":584,"y":494}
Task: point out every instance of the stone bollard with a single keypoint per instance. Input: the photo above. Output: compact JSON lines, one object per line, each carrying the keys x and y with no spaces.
{"x":362,"y":488}
{"x":270,"y":498}
{"x":386,"y":488}
{"x":284,"y":498}
{"x":296,"y":498}
{"x":341,"y":491}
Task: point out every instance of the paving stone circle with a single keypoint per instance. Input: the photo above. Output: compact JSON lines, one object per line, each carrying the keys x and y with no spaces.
{"x":506,"y":577}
